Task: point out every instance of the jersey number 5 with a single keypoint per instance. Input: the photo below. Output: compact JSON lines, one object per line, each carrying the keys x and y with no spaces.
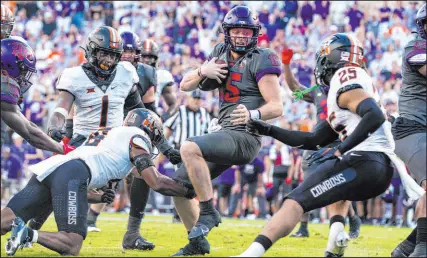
{"x":95,"y":138}
{"x":231,"y":93}
{"x":347,"y":74}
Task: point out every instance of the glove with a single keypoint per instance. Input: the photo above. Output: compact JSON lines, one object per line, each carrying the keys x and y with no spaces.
{"x":56,"y":134}
{"x":191,"y":194}
{"x":287,"y":56}
{"x":258,"y":127}
{"x":108,"y":196}
{"x":322,"y":155}
{"x":288,"y":181}
{"x":173,"y":156}
{"x":68,"y":148}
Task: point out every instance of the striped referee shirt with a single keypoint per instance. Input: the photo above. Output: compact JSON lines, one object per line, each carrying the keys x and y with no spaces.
{"x":186,"y":123}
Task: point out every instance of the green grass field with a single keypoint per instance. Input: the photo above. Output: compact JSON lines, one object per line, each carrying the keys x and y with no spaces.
{"x":231,"y":238}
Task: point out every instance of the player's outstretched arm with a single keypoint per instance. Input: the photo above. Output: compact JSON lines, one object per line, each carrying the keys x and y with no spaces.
{"x":145,"y":170}
{"x":322,"y":136}
{"x":170,"y":98}
{"x":359,"y":102}
{"x":60,"y":114}
{"x":28,"y":130}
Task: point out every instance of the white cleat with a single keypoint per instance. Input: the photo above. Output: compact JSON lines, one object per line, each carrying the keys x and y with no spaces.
{"x":93,"y":229}
{"x":341,"y":242}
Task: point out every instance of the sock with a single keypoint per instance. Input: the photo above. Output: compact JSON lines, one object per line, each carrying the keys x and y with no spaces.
{"x":336,"y":226}
{"x":421,"y":230}
{"x":260,"y":245}
{"x":206,"y":207}
{"x":303,"y":225}
{"x":139,"y":194}
{"x":33,"y":235}
{"x":413,"y":236}
{"x":92,"y":216}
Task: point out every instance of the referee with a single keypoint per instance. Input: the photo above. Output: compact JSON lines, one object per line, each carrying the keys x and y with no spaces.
{"x":190,"y":120}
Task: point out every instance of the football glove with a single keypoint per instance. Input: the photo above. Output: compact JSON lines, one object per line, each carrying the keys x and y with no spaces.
{"x":258,"y":127}
{"x":287,"y":56}
{"x":173,"y":156}
{"x":108,"y":196}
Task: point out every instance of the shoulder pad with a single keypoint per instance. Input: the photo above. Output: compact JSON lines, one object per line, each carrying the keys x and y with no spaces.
{"x":126,"y":65}
{"x":141,"y":141}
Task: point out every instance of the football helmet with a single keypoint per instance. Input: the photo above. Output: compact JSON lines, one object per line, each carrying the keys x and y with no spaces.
{"x":18,"y":61}
{"x":7,"y":21}
{"x":420,"y":20}
{"x":103,"y":41}
{"x":131,"y":42}
{"x":150,"y":52}
{"x":146,"y":120}
{"x":241,"y":17}
{"x":337,"y":51}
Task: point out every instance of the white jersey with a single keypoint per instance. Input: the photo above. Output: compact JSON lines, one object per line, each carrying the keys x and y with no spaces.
{"x":344,"y":121}
{"x":105,"y":152}
{"x":98,"y":106}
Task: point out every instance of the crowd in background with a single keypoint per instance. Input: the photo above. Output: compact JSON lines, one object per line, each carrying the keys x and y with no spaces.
{"x":186,"y":32}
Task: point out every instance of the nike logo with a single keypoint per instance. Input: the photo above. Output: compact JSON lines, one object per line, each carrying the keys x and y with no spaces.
{"x":114,"y":86}
{"x":354,"y":154}
{"x":205,"y":231}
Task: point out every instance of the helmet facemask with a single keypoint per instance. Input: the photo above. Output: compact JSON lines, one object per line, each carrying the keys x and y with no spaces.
{"x":104,"y":60}
{"x":241,"y":44}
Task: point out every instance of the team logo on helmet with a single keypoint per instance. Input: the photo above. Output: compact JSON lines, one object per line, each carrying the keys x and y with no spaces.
{"x":21,"y":52}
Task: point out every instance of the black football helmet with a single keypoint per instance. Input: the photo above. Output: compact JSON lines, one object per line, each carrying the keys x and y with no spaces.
{"x":337,"y":51}
{"x":146,"y":120}
{"x":108,"y":40}
{"x":150,"y":52}
{"x":7,"y":21}
{"x":420,"y":20}
{"x":241,"y":17}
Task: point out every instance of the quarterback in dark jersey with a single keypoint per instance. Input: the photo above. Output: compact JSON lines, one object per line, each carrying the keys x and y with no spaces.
{"x":409,"y":130}
{"x":251,"y":89}
{"x":18,"y":64}
{"x":318,"y":97}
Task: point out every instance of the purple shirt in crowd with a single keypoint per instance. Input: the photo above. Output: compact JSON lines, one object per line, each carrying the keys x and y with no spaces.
{"x":307,"y":13}
{"x":249,"y":172}
{"x":12,"y":166}
{"x":386,"y":10}
{"x":227,"y":177}
{"x":355,"y":18}
{"x":321,"y":10}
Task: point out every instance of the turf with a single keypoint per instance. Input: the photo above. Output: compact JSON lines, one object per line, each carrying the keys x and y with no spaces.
{"x":231,"y":238}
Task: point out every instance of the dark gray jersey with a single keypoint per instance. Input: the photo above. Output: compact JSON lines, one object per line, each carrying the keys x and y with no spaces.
{"x":147,"y":78}
{"x":412,"y":100}
{"x":241,"y":86}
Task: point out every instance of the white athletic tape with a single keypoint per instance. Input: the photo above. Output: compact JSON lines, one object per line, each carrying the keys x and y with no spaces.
{"x":61,"y":111}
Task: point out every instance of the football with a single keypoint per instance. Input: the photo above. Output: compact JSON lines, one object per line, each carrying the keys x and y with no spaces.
{"x":208,"y":84}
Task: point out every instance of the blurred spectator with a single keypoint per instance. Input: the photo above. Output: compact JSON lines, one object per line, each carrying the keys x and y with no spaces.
{"x":35,"y":109}
{"x":355,"y":16}
{"x":306,"y":12}
{"x":291,"y":9}
{"x":385,"y":12}
{"x":322,"y":8}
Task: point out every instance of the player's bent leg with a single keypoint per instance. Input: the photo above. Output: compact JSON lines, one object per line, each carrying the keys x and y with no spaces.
{"x":64,"y":243}
{"x":188,"y":210}
{"x":355,"y":222}
{"x":357,"y":177}
{"x":338,"y":238}
{"x":93,"y":213}
{"x":138,"y":200}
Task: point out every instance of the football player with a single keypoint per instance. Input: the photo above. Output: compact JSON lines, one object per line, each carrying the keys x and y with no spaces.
{"x":149,"y":55}
{"x":359,"y":168}
{"x":251,"y":89}
{"x":61,"y":182}
{"x":318,"y":97}
{"x":18,"y":64}
{"x":409,"y":130}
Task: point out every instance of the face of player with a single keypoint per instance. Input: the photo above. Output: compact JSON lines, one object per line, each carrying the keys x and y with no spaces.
{"x":147,"y":59}
{"x":106,"y":59}
{"x":241,"y":37}
{"x":5,"y":30}
{"x":128,"y":55}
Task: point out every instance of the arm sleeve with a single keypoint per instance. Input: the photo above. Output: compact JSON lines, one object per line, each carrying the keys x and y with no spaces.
{"x":133,"y":100}
{"x":322,"y":136}
{"x":268,"y":63}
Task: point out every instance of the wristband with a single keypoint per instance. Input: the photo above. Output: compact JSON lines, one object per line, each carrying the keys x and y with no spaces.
{"x":254,"y":114}
{"x":199,"y":72}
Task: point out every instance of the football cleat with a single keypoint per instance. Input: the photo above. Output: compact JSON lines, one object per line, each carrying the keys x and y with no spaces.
{"x":205,"y":224}
{"x":196,"y":246}
{"x":420,"y":250}
{"x":341,"y":242}
{"x":301,"y":233}
{"x":355,"y":227}
{"x":18,"y":237}
{"x":91,"y":227}
{"x":131,"y":242}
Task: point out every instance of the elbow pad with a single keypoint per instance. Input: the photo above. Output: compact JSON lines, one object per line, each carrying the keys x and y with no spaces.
{"x":142,"y":162}
{"x":369,"y":107}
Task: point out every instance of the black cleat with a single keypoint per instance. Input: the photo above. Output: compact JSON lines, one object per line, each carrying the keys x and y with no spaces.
{"x":301,"y":233}
{"x":196,"y":246}
{"x":136,"y":242}
{"x":355,"y":227}
{"x":420,"y":250}
{"x":210,"y":220}
{"x":404,"y":249}
{"x":332,"y":255}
